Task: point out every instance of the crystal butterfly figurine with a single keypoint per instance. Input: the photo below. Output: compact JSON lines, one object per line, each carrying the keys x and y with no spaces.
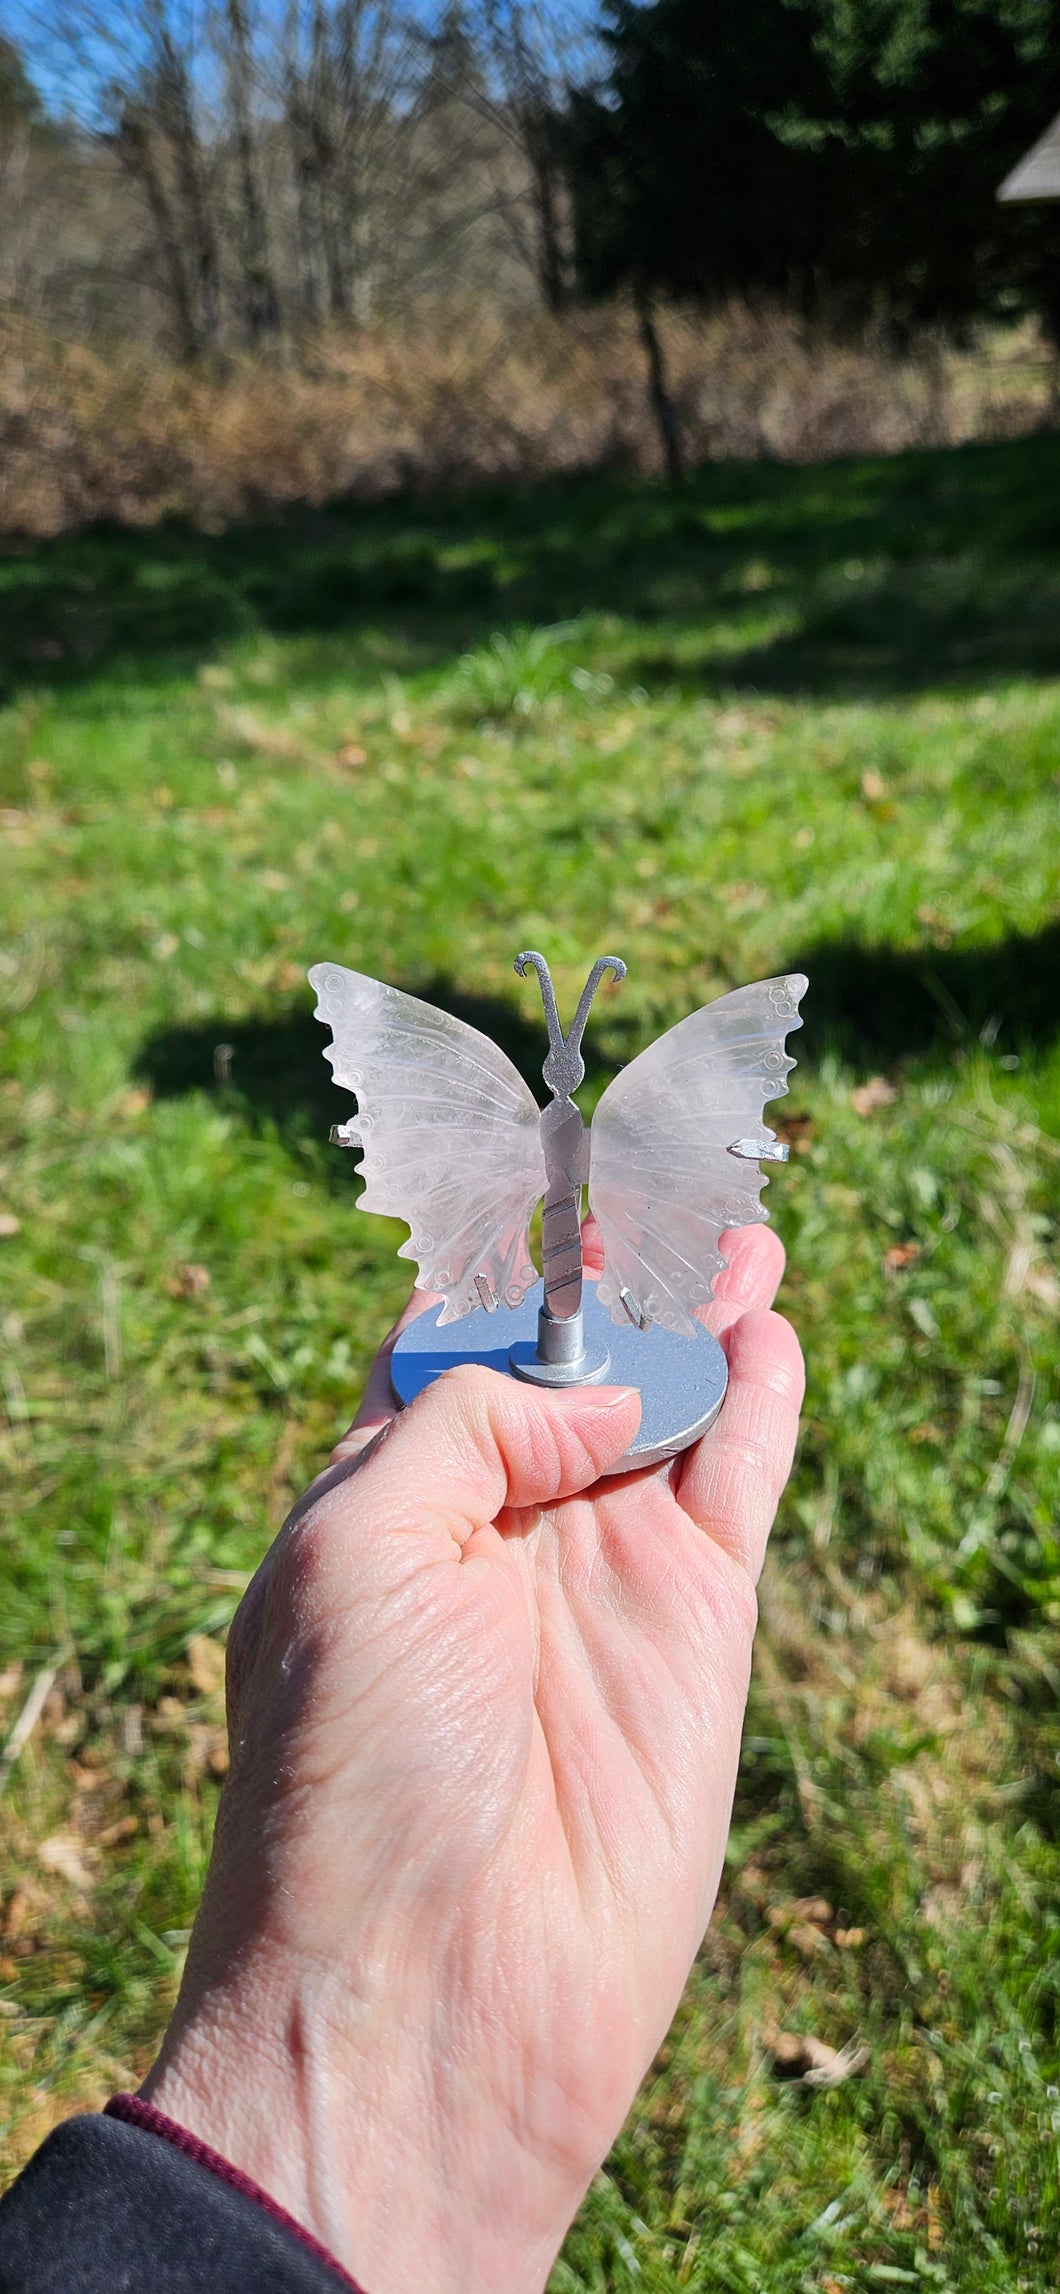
{"x":454,"y":1143}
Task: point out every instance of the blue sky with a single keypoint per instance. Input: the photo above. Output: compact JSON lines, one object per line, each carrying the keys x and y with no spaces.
{"x":68,"y":86}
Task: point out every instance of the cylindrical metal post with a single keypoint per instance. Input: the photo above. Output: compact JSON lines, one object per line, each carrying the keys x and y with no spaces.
{"x":560,"y":1341}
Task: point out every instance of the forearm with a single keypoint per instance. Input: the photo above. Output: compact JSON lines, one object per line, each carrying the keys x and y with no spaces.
{"x":391,"y":2145}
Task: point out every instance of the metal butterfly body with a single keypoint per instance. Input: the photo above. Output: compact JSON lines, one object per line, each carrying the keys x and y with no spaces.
{"x":454,"y":1143}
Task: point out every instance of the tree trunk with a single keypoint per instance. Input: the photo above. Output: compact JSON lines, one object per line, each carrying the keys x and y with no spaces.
{"x":261,"y":303}
{"x":139,"y":161}
{"x":296,"y":121}
{"x":662,"y":404}
{"x":324,"y":109}
{"x":550,"y":265}
{"x":180,"y":129}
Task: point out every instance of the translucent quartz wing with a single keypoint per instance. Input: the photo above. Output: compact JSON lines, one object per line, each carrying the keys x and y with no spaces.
{"x":451,"y":1137}
{"x":662,"y":1183}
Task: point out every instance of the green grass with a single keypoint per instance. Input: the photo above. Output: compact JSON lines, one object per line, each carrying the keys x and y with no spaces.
{"x":796,"y":719}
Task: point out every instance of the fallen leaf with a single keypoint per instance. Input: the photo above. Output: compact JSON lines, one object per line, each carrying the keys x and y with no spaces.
{"x":206,"y":1664}
{"x":189,"y":1281}
{"x":901,"y":1254}
{"x":352,"y":755}
{"x":114,"y":1834}
{"x":811,"y":1941}
{"x":65,"y":1854}
{"x":815,"y":1908}
{"x":903,"y":2213}
{"x":935,"y":2232}
{"x":19,"y":1908}
{"x":937,"y":924}
{"x":796,"y":1130}
{"x":877,"y":1092}
{"x":813,"y":2062}
{"x":272,"y":740}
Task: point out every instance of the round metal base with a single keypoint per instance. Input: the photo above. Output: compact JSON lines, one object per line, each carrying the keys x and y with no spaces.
{"x":682,"y":1381}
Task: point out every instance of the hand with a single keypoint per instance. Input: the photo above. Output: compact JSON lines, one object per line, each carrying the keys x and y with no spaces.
{"x":485,"y":1713}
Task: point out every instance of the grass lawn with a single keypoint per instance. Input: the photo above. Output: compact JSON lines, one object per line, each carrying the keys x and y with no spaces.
{"x":796,"y":719}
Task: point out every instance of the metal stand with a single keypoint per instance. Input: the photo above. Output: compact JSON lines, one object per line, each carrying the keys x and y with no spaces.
{"x":563,"y":1356}
{"x":681,"y":1381}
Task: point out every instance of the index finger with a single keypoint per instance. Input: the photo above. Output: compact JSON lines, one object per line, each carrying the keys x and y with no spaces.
{"x":730,"y":1483}
{"x":377,"y":1405}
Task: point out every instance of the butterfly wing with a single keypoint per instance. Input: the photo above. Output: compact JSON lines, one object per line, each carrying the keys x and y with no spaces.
{"x":662,"y":1182}
{"x":450,"y":1134}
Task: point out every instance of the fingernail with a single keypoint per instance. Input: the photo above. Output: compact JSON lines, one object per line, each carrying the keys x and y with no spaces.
{"x":601,"y":1398}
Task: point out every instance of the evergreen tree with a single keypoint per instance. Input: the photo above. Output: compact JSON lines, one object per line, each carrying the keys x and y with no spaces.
{"x":684,"y":178}
{"x":841,"y":153}
{"x":932,"y":102}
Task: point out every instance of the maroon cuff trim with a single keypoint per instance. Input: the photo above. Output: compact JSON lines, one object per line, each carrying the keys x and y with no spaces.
{"x":139,"y":2114}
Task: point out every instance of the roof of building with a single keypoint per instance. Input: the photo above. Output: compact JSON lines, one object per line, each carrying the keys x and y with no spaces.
{"x":1037,"y":174}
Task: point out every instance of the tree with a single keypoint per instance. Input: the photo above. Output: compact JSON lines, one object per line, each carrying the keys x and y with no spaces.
{"x":159,"y":143}
{"x":844,"y":154}
{"x":516,"y":63}
{"x":19,"y":100}
{"x":685,"y":181}
{"x":21,"y":115}
{"x":261,"y":301}
{"x":931,"y":102}
{"x":350,"y":94}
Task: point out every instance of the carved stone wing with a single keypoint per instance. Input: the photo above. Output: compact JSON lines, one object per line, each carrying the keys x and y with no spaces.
{"x":662,"y":1182}
{"x":450,"y":1134}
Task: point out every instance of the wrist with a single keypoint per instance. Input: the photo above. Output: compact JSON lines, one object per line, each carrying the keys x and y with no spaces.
{"x":386,"y":2149}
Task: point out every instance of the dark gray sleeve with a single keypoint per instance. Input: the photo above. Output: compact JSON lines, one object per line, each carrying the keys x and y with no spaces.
{"x":105,"y":2208}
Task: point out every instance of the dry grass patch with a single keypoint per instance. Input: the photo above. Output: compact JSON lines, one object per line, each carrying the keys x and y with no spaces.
{"x":465,"y":395}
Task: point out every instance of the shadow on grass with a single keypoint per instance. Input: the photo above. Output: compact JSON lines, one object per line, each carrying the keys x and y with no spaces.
{"x":877,"y":1005}
{"x":274,"y":1070}
{"x":877,"y":575}
{"x":874,"y":1006}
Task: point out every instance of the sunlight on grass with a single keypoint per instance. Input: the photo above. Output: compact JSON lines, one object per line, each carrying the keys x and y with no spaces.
{"x":797,"y":720}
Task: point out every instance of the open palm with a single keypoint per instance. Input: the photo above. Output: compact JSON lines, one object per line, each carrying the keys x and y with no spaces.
{"x":486,"y":1712}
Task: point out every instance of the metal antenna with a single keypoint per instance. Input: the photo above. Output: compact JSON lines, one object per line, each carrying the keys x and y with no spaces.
{"x":564,"y":1068}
